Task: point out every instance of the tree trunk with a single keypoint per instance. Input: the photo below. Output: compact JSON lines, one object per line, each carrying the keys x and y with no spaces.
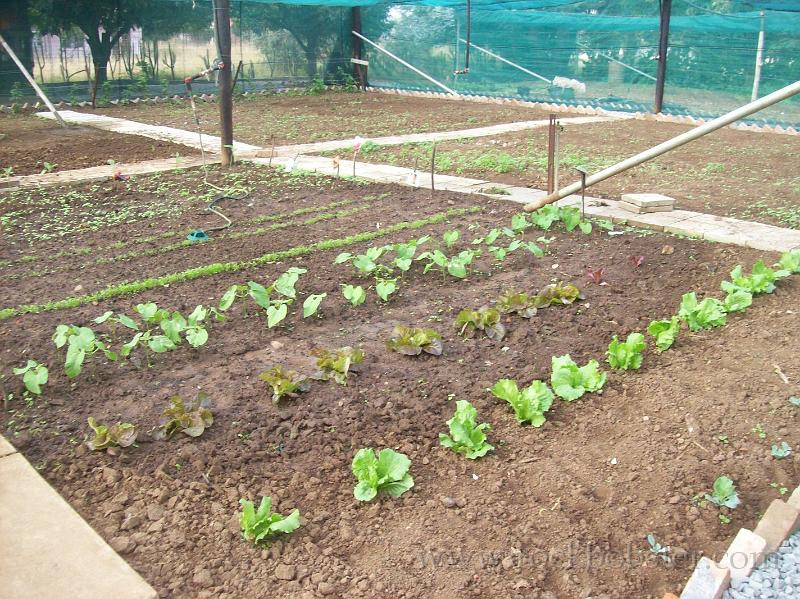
{"x":101,"y":54}
{"x":311,"y":61}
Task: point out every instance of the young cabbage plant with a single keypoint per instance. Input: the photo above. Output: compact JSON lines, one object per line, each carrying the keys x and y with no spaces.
{"x":761,"y":280}
{"x":665,"y":332}
{"x":484,"y":319}
{"x":337,"y":364}
{"x":516,"y":303}
{"x":259,"y":525}
{"x":122,"y":434}
{"x":529,"y":404}
{"x":191,"y":420}
{"x":723,"y":493}
{"x":80,"y":342}
{"x":284,"y":383}
{"x":571,"y":382}
{"x":626,"y":355}
{"x":34,"y":376}
{"x":354,"y":294}
{"x":707,"y":314}
{"x":466,"y":435}
{"x":387,"y":472}
{"x":413,"y":341}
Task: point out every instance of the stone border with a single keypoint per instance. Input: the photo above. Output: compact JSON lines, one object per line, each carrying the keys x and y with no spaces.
{"x":583,"y":109}
{"x":49,"y":551}
{"x":746,"y":552}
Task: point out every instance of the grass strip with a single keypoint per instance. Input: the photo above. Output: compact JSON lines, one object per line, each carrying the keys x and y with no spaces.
{"x":209,"y":270}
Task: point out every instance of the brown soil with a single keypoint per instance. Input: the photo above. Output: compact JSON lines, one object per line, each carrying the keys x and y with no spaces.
{"x":731,"y":173}
{"x":31,"y":141}
{"x":601,"y":474}
{"x":285,"y":118}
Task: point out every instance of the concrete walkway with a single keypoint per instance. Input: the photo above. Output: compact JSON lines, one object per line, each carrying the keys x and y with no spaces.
{"x":48,"y":550}
{"x":211,"y":143}
{"x":397,"y":140}
{"x":719,"y":229}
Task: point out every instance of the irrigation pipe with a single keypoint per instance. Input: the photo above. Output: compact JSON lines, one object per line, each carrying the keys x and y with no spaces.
{"x":664,"y":147}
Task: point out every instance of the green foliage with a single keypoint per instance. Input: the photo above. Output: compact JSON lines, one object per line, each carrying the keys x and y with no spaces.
{"x":484,"y":319}
{"x":354,"y":294}
{"x":723,"y":493}
{"x":658,"y":549}
{"x":450,"y":237}
{"x":275,"y":299}
{"x":790,"y":262}
{"x":544,"y":217}
{"x":34,"y":375}
{"x":311,"y":304}
{"x":337,"y":364}
{"x":386,"y":472}
{"x":258,"y":525}
{"x":665,"y":332}
{"x":626,"y":355}
{"x":707,"y":314}
{"x":570,"y":382}
{"x":122,"y":434}
{"x":761,"y":280}
{"x":516,"y":303}
{"x":191,"y":420}
{"x":414,"y":341}
{"x":385,"y":287}
{"x":466,"y":436}
{"x":529,"y":404}
{"x":557,"y":294}
{"x":781,"y":451}
{"x":456,"y":265}
{"x":80,"y":342}
{"x":737,"y":300}
{"x":284,"y":383}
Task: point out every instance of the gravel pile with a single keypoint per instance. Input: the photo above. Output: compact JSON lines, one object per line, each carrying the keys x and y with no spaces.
{"x":777,"y":578}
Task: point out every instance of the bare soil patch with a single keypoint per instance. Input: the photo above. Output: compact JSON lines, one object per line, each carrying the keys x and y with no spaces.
{"x":593,"y":481}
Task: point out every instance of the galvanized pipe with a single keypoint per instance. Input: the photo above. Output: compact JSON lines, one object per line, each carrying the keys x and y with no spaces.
{"x":671,"y":144}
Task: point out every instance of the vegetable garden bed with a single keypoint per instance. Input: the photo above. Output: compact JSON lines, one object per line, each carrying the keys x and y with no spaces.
{"x":585,"y":488}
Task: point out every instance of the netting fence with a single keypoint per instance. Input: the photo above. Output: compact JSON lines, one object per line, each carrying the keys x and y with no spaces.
{"x":594,"y":53}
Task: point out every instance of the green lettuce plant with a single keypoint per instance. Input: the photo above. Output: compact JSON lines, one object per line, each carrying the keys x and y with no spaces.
{"x":737,"y":300}
{"x":122,"y":434}
{"x":466,"y":436}
{"x":414,"y":341}
{"x":707,"y":314}
{"x":191,"y":420}
{"x":761,"y":280}
{"x":665,"y":332}
{"x":387,"y":472}
{"x":34,"y":376}
{"x":484,"y":319}
{"x":626,"y":355}
{"x":337,"y":364}
{"x":790,"y":262}
{"x":723,"y":493}
{"x":284,"y":383}
{"x":516,"y":303}
{"x":570,"y":382}
{"x":258,"y":525}
{"x":529,"y":404}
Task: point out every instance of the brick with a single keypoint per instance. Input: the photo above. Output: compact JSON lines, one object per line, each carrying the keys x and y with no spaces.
{"x":794,"y":499}
{"x":643,"y":209}
{"x":744,"y":554}
{"x":708,"y":581}
{"x":777,"y":523}
{"x":670,"y":596}
{"x":647,"y":199}
{"x":5,"y":447}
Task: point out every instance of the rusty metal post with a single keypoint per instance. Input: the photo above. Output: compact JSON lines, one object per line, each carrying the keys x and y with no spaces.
{"x":551,"y":150}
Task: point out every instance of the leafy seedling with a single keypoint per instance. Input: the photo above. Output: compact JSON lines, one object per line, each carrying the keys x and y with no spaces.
{"x":34,"y":375}
{"x":284,"y":383}
{"x":529,"y":404}
{"x":781,"y":451}
{"x":80,"y":341}
{"x":545,"y":216}
{"x":759,"y":430}
{"x":122,"y":434}
{"x":337,"y":364}
{"x":626,"y":355}
{"x":354,"y":294}
{"x":795,"y":401}
{"x":451,"y":237}
{"x":385,"y":287}
{"x":737,"y":300}
{"x":557,"y":294}
{"x":596,"y":276}
{"x":466,"y":436}
{"x":311,"y":304}
{"x":191,"y":420}
{"x":413,"y":341}
{"x":387,"y":472}
{"x":723,"y":493}
{"x":516,"y":303}
{"x":665,"y":332}
{"x":790,"y":262}
{"x":258,"y":525}
{"x":761,"y":280}
{"x":484,"y":319}
{"x":658,"y":549}
{"x":571,"y":382}
{"x":707,"y":314}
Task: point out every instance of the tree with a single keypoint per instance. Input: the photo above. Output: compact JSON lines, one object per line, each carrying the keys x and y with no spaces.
{"x":103,"y":22}
{"x":16,"y":29}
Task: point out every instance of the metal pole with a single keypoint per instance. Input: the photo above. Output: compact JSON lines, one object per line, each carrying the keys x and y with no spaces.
{"x":759,"y":60}
{"x":551,"y":149}
{"x":222,"y":26}
{"x":508,"y":62}
{"x":33,"y":83}
{"x":405,"y":64}
{"x":671,"y":144}
{"x":663,"y":49}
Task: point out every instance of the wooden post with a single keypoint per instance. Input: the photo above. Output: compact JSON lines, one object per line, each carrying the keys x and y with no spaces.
{"x":222,"y":25}
{"x":663,"y":47}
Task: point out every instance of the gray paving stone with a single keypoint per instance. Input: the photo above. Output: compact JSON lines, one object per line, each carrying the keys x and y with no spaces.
{"x":5,"y":447}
